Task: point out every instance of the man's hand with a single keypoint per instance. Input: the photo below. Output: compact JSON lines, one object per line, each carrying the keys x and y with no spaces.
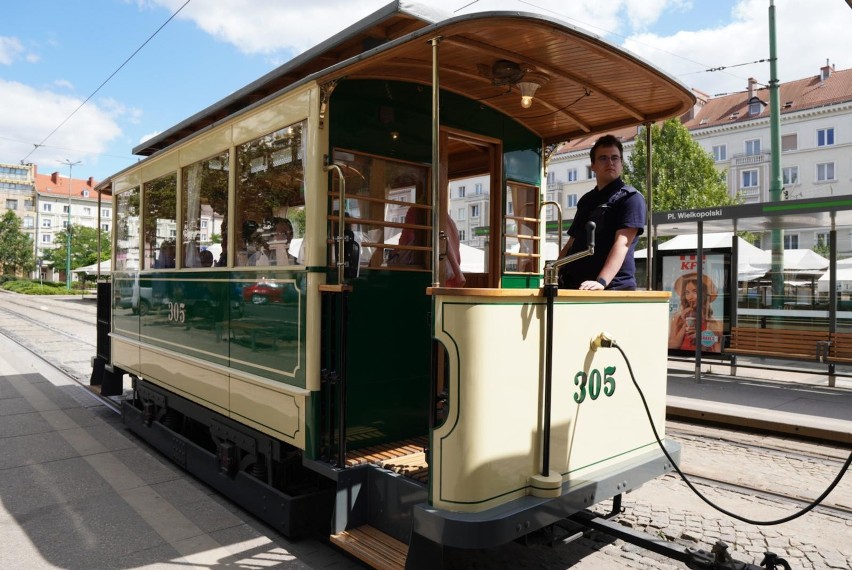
{"x":591,"y":286}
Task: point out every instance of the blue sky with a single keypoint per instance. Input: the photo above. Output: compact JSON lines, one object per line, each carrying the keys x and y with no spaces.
{"x":54,"y":54}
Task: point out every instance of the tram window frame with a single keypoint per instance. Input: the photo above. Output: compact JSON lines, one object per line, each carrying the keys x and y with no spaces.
{"x":209,"y":179}
{"x":399,"y":237}
{"x":516,"y":223}
{"x":127,"y":254}
{"x":160,"y":205}
{"x":267,"y":224}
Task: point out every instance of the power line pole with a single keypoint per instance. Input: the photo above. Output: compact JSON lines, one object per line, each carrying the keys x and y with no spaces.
{"x":71,"y":166}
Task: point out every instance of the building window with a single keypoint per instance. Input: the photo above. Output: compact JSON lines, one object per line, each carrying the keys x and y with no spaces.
{"x":105,"y":227}
{"x":825,"y":172}
{"x":551,"y":178}
{"x":461,"y":235}
{"x":66,"y":208}
{"x":29,"y":222}
{"x":754,"y":106}
{"x":474,"y":211}
{"x":461,"y":191}
{"x":572,"y":200}
{"x":790,"y":175}
{"x":46,"y":207}
{"x":46,"y":238}
{"x":752,"y":147}
{"x":572,"y":175}
{"x":87,"y":211}
{"x":825,"y":137}
{"x":791,"y":241}
{"x":720,"y":152}
{"x":590,"y":174}
{"x":510,"y":208}
{"x":106,"y":213}
{"x":46,"y":223}
{"x":823,"y":239}
{"x":28,"y":204}
{"x":789,"y":142}
{"x":477,"y":188}
{"x":749,"y":179}
{"x":460,"y":217}
{"x":11,"y":204}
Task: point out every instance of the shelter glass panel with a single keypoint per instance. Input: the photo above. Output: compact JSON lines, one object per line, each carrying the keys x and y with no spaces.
{"x":160,"y":221}
{"x":269,"y":220}
{"x":387,"y":210}
{"x":205,"y":202}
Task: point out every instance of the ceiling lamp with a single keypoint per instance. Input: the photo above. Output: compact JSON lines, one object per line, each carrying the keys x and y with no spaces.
{"x":529,"y":85}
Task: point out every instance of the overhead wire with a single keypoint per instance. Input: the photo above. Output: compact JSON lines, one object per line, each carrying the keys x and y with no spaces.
{"x":126,"y":61}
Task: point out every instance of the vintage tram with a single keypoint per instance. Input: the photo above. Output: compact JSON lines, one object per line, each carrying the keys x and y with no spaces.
{"x":301,"y":333}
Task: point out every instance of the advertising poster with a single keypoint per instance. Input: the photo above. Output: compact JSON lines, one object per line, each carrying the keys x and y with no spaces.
{"x":680,"y":276}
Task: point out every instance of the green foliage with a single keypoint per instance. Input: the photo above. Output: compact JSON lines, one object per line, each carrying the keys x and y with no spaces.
{"x":822,"y":247}
{"x":28,"y":287}
{"x":84,"y":247}
{"x":684,"y":176}
{"x":16,"y":247}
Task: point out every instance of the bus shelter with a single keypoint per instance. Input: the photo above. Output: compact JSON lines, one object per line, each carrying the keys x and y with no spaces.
{"x":735,"y":291}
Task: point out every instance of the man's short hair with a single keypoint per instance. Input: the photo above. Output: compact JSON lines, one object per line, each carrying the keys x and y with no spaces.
{"x":606,"y":140}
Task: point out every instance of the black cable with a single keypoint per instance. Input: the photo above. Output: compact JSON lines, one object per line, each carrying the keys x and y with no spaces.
{"x":81,"y":105}
{"x":796,"y":515}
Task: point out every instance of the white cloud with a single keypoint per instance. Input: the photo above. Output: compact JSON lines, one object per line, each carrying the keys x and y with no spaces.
{"x":28,"y":116}
{"x":10,"y":49}
{"x":807,"y":33}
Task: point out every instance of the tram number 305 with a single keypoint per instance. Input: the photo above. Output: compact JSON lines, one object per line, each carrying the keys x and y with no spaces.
{"x":177,"y":313}
{"x":594,"y":383}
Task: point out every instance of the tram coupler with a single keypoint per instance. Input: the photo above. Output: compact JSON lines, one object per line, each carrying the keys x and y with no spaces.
{"x":698,"y":559}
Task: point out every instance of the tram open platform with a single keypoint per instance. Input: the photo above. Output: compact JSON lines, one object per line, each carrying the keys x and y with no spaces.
{"x":77,"y":490}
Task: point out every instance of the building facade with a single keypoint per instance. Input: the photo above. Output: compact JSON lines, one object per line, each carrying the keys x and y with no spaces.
{"x":816,"y":148}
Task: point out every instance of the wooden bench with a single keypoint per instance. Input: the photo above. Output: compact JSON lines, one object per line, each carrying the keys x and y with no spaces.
{"x":840,"y":350}
{"x":782,"y":343}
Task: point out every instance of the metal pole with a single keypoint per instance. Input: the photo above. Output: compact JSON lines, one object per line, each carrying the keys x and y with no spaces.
{"x":68,"y":227}
{"x":649,"y":260}
{"x":436,"y":164}
{"x":775,"y":178}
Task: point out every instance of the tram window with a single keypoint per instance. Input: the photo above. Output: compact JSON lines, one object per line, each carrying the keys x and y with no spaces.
{"x":521,"y":229}
{"x":270,"y":202}
{"x":127,"y":231}
{"x":160,"y":221}
{"x":205,"y":201}
{"x":387,"y":209}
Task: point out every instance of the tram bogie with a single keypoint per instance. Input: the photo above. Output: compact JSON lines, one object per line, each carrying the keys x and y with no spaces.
{"x":309,"y":347}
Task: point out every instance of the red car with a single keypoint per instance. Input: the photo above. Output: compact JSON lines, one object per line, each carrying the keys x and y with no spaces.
{"x":270,"y":292}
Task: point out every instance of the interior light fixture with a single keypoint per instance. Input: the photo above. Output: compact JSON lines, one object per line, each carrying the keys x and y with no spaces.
{"x":530,"y":83}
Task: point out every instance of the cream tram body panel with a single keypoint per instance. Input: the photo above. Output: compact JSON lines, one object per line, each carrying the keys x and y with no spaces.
{"x":489,"y":448}
{"x":275,"y":408}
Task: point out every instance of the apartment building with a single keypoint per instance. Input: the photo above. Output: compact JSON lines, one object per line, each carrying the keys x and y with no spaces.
{"x":816,"y":147}
{"x":17,"y":193}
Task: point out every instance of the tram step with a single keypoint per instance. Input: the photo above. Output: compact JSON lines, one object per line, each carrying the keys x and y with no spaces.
{"x":372,"y":546}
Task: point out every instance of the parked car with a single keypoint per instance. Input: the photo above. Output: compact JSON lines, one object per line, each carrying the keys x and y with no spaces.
{"x":270,"y":292}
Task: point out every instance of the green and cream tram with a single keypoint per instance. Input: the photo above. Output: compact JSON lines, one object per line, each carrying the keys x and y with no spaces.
{"x":281,"y":288}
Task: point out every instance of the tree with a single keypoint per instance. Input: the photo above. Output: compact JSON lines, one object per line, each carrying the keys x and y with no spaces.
{"x":84,"y":247}
{"x":16,"y":247}
{"x":684,"y":176}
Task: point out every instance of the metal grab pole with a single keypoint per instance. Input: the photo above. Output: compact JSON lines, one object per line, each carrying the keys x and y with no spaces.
{"x":341,"y":211}
{"x":550,"y":290}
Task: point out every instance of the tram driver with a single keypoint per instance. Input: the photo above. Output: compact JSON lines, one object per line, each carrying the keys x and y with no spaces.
{"x":618,"y":211}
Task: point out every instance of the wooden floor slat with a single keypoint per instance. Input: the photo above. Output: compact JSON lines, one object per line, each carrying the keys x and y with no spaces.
{"x":373,"y":547}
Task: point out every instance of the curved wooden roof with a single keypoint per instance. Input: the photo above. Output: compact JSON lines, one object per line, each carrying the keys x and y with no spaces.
{"x":591,"y":86}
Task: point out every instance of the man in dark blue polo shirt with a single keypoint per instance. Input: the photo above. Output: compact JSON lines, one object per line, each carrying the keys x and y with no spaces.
{"x":618,"y":211}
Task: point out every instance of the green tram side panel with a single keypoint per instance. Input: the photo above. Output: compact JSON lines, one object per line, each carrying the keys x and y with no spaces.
{"x":364,"y":113}
{"x":389,"y":357}
{"x":251,"y":322}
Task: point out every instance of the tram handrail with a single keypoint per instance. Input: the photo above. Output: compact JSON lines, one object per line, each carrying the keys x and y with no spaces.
{"x":342,"y":209}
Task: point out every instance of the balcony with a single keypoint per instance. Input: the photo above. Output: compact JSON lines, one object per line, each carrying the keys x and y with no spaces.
{"x":743,"y":159}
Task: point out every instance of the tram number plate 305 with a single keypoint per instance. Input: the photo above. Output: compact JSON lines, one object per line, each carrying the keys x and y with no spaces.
{"x":594,"y":383}
{"x":177,"y":312}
